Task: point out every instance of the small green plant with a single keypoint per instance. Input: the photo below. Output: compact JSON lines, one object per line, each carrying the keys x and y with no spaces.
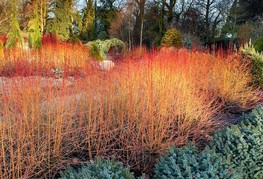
{"x":259,"y":44}
{"x":242,"y":145}
{"x":256,"y":61}
{"x":172,"y":38}
{"x":100,"y":169}
{"x":187,"y":163}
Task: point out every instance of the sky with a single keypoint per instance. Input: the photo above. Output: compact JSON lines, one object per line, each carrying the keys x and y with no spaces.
{"x":81,"y":4}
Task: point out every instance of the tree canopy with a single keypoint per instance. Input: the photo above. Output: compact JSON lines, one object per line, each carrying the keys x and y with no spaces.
{"x":136,"y":22}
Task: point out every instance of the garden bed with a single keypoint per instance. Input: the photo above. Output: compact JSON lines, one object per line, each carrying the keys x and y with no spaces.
{"x":132,"y":113}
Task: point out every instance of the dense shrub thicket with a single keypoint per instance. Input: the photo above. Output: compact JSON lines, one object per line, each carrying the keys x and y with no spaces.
{"x":134,"y":113}
{"x":242,"y":145}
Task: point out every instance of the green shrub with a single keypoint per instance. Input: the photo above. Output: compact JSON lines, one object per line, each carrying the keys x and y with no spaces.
{"x":95,"y":51}
{"x":113,"y":43}
{"x":99,"y":49}
{"x":256,"y":61}
{"x":172,"y":38}
{"x":242,"y":145}
{"x":185,"y":162}
{"x":259,"y":44}
{"x":100,"y":169}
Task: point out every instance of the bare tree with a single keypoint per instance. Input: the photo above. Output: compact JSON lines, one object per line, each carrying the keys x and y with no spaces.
{"x":214,"y":13}
{"x":170,"y":13}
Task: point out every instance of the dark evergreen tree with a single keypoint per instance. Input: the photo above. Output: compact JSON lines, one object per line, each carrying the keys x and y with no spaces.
{"x":61,"y":19}
{"x":88,"y":27}
{"x":106,"y":14}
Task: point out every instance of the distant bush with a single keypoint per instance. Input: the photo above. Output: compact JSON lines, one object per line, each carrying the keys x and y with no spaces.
{"x":256,"y":61}
{"x":242,"y":145}
{"x":100,"y":169}
{"x":95,"y":52}
{"x":99,"y":49}
{"x":259,"y":44}
{"x":102,"y":35}
{"x":188,"y":42}
{"x":172,"y":38}
{"x":187,"y":163}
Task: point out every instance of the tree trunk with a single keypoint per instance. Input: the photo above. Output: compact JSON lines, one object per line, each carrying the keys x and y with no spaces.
{"x":141,"y":33}
{"x":141,"y":4}
{"x":216,"y":22}
{"x":207,"y":20}
{"x":170,"y":8}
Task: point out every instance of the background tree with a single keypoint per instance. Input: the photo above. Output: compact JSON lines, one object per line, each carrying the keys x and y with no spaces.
{"x":124,"y":23}
{"x":14,"y":34}
{"x":214,"y":13}
{"x":35,"y":27}
{"x":61,"y":19}
{"x":170,"y":4}
{"x":5,"y":15}
{"x":244,"y":20}
{"x":141,"y":6}
{"x":88,"y":29}
{"x":154,"y":23}
{"x":106,"y":14}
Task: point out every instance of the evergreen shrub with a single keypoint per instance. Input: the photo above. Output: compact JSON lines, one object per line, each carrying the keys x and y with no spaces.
{"x":242,"y":145}
{"x":99,"y":49}
{"x":100,"y":169}
{"x":186,"y":162}
{"x":172,"y":38}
